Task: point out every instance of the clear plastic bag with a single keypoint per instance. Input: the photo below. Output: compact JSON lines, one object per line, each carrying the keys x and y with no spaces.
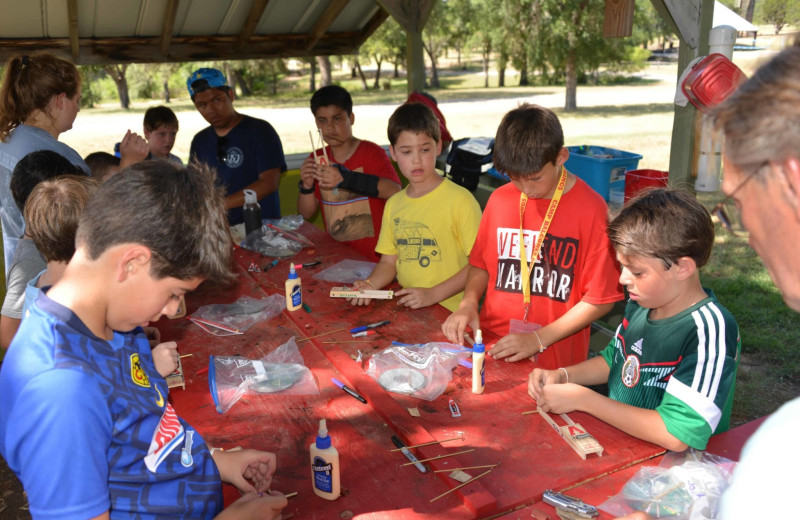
{"x":420,"y":370}
{"x":275,"y":242}
{"x":281,"y":372}
{"x":346,"y":271}
{"x":686,"y":486}
{"x":227,"y":319}
{"x":290,"y":222}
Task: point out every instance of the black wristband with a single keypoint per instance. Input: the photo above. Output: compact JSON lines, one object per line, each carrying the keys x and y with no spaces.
{"x":362,"y":183}
{"x":304,"y":190}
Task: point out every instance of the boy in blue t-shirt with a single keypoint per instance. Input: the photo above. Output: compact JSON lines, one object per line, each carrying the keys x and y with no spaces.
{"x":671,"y":368}
{"x":81,"y":369}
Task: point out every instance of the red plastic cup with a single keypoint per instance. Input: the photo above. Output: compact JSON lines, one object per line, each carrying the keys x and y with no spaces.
{"x":637,"y":180}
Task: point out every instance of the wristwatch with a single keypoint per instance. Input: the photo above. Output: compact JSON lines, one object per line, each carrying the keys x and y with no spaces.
{"x":304,"y":190}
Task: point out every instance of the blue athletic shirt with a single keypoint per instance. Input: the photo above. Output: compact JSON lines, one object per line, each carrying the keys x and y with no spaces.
{"x":250,"y":148}
{"x":86,"y":426}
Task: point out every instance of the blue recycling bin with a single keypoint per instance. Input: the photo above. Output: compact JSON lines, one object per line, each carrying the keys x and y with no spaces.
{"x":603,"y":169}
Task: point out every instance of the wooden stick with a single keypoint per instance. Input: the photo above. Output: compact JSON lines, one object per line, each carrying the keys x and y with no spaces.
{"x":473,"y":479}
{"x":468,"y":467}
{"x":529,"y":412}
{"x":290,"y":495}
{"x":347,"y":341}
{"x":429,"y":443}
{"x":322,"y":145}
{"x":323,"y":334}
{"x":185,"y":355}
{"x":439,"y":457}
{"x":313,"y":147}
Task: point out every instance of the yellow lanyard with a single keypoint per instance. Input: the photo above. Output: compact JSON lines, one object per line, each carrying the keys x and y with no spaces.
{"x":525,"y":270}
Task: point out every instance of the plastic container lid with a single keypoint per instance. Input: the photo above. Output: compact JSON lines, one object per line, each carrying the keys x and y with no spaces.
{"x":250,"y":197}
{"x":711,"y":80}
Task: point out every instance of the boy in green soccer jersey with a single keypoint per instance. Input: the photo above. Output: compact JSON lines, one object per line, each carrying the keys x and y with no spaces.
{"x":671,"y":367}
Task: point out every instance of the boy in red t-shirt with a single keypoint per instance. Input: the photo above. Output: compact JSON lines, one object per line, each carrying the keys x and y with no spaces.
{"x":573,"y":277}
{"x":352,"y":191}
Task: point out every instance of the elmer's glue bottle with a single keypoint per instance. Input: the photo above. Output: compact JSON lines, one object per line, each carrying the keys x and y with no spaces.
{"x":294,"y":290}
{"x":324,"y":465}
{"x":478,"y":364}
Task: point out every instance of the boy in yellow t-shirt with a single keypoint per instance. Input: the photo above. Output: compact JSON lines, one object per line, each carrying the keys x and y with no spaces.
{"x":429,"y":227}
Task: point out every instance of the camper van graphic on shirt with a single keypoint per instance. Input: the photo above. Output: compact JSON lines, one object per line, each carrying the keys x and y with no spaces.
{"x":416,"y":243}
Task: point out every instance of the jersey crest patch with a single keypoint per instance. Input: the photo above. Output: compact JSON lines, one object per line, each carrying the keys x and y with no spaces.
{"x":168,"y":437}
{"x":630,"y":371}
{"x":138,"y":375}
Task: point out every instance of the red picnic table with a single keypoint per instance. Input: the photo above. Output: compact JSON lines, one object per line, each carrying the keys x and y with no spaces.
{"x":531,"y":455}
{"x":728,"y":444}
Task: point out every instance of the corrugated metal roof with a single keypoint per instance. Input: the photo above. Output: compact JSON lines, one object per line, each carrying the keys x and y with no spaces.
{"x":119,"y":31}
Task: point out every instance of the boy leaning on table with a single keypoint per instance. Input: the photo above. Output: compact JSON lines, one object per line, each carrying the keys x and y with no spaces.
{"x":541,"y":255}
{"x":428,"y":228}
{"x":84,"y":420}
{"x":671,"y":367}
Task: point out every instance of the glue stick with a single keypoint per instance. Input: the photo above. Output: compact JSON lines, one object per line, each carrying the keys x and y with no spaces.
{"x":478,"y":364}
{"x":294,"y":290}
{"x":324,"y":465}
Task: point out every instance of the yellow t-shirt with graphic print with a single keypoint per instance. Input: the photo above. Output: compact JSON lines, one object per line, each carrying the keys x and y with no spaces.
{"x":431,"y":235}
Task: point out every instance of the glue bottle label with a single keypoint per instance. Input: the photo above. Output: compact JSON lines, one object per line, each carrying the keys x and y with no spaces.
{"x":323,"y":474}
{"x":297,"y":296}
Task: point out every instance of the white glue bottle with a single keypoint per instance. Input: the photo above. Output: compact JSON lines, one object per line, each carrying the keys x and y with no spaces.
{"x":294,"y":290}
{"x":324,"y":465}
{"x":478,"y":364}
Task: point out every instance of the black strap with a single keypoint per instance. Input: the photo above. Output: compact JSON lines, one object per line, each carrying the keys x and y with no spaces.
{"x":362,"y":183}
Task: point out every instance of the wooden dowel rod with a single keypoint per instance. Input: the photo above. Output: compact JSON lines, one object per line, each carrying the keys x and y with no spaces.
{"x":468,"y":467}
{"x":319,"y":335}
{"x":185,"y":355}
{"x":439,"y":457}
{"x":473,"y":479}
{"x":348,"y":341}
{"x":429,"y":443}
{"x":529,"y":412}
{"x":290,"y":495}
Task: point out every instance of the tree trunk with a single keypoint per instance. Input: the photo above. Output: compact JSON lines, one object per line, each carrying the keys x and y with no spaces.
{"x":312,"y":79}
{"x":396,"y":70}
{"x":523,"y":75}
{"x":487,"y":53}
{"x":571,"y":101}
{"x":238,"y":75}
{"x":434,"y":83}
{"x":117,"y":73}
{"x":324,"y":63}
{"x":377,"y":84}
{"x":166,"y":91}
{"x":748,"y":7}
{"x":361,"y":73}
{"x":501,"y":68}
{"x":274,"y":83}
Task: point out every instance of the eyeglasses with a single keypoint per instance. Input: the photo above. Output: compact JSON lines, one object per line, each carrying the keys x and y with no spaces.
{"x":222,"y":150}
{"x":728,"y":212}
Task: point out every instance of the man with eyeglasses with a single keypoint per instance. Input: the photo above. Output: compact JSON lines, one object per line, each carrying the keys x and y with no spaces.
{"x":246,"y":152}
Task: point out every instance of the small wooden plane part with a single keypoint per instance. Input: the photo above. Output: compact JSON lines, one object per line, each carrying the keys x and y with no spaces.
{"x":576,"y":436}
{"x":352,"y":292}
{"x":176,"y":379}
